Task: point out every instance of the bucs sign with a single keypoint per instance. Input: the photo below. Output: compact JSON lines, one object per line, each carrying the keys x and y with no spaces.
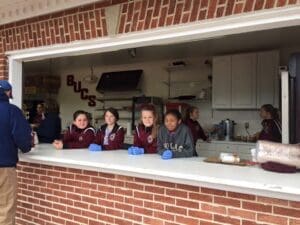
{"x":83,"y":91}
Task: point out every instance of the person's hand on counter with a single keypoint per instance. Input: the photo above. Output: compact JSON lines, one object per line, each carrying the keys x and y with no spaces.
{"x":58,"y":144}
{"x":167,"y":154}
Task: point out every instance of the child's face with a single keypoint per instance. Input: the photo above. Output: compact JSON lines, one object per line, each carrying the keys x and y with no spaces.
{"x":263,"y":114}
{"x":109,"y":118}
{"x":39,"y":108}
{"x":81,"y":121}
{"x":171,"y":122}
{"x":195,"y":114}
{"x":147,"y":118}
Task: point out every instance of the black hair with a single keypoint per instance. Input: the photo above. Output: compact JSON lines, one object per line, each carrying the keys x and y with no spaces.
{"x":112,"y":111}
{"x":188,"y":112}
{"x":79,"y":112}
{"x":175,"y":113}
{"x":50,"y":106}
{"x":272,"y":110}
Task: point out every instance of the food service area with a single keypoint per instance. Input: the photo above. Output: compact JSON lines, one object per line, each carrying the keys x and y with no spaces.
{"x":240,"y":164}
{"x":227,"y":79}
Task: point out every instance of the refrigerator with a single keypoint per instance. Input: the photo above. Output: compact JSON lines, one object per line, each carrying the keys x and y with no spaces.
{"x":291,"y":99}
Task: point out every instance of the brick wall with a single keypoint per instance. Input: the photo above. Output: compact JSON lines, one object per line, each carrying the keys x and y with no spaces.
{"x":149,"y":14}
{"x":65,"y":196}
{"x":89,"y":21}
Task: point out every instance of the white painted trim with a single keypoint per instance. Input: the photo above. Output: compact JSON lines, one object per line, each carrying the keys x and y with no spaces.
{"x":16,"y":79}
{"x":214,"y":28}
{"x":285,"y":107}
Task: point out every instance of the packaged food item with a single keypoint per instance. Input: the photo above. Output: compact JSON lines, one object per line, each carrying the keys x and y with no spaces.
{"x":229,"y":158}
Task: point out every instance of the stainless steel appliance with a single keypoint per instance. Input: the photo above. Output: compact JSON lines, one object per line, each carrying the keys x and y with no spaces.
{"x":226,"y":130}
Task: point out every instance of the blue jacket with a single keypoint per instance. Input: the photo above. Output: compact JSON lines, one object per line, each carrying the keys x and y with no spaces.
{"x":15,"y":132}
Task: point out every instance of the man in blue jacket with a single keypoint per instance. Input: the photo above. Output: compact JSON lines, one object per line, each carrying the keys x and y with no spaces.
{"x":15,"y":133}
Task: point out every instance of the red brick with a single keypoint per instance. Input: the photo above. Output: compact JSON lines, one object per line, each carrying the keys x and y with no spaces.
{"x":172,"y":5}
{"x":294,"y":222}
{"x":213,"y":191}
{"x":176,"y":193}
{"x":123,"y":207}
{"x":132,"y":216}
{"x":238,"y":8}
{"x":292,"y":2}
{"x":163,"y":216}
{"x":116,"y":198}
{"x":176,"y":210}
{"x":257,"y":207}
{"x":135,"y":202}
{"x":212,"y":9}
{"x":123,"y":191}
{"x":286,"y":211}
{"x":272,"y":219}
{"x":74,"y":211}
{"x":241,"y":196}
{"x":152,"y":221}
{"x":281,"y":3}
{"x":259,"y":4}
{"x":134,"y":186}
{"x":143,"y":10}
{"x":143,"y":211}
{"x":269,"y":4}
{"x":157,"y":8}
{"x":241,"y":214}
{"x":201,"y":197}
{"x":187,"y":5}
{"x":164,"y":199}
{"x":273,"y":201}
{"x":200,"y":215}
{"x":213,"y":208}
{"x":154,"y":205}
{"x":227,"y":201}
{"x":178,"y":13}
{"x":106,"y":203}
{"x":195,"y":9}
{"x":186,"y":203}
{"x":143,"y":195}
{"x":226,"y":220}
{"x":162,"y":18}
{"x":187,"y":220}
{"x":155,"y":190}
{"x":294,"y":204}
{"x":89,"y":214}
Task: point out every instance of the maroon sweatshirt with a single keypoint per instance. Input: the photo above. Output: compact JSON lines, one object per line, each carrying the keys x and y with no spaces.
{"x":144,"y":139}
{"x":78,"y":138}
{"x":115,"y":137}
{"x":196,"y":129}
{"x":271,"y":131}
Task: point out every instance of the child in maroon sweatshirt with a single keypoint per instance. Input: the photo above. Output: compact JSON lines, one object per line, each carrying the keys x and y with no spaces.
{"x":191,"y":117}
{"x":110,"y":135}
{"x":146,"y":132}
{"x":79,"y":135}
{"x":271,"y":130}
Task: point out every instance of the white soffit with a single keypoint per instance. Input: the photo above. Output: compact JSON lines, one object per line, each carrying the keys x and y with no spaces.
{"x":15,"y":10}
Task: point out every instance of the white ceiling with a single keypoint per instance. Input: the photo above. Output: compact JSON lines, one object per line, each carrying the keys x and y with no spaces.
{"x":15,"y":10}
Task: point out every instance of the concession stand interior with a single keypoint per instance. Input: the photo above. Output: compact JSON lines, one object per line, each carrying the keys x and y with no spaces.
{"x":228,"y":71}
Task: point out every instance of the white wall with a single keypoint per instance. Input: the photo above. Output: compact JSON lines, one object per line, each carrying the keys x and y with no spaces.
{"x":189,"y":80}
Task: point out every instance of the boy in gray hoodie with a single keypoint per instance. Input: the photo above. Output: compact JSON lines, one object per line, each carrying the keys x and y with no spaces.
{"x":174,"y":139}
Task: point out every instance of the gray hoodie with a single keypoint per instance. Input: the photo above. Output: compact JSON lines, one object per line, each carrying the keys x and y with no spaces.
{"x":180,"y":142}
